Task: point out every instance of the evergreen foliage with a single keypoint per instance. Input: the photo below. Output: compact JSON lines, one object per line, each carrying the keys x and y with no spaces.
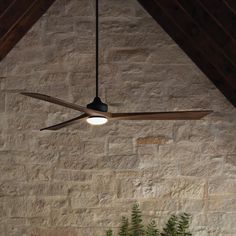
{"x":109,"y":232}
{"x":171,"y":227}
{"x":177,"y":225}
{"x":137,"y":228}
{"x":152,"y":229}
{"x":124,"y":228}
{"x":183,"y":225}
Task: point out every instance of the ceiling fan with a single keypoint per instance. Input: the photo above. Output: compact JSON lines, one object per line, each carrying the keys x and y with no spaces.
{"x":96,"y":113}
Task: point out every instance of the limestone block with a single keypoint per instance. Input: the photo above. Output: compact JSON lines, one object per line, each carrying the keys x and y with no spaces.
{"x":63,"y":218}
{"x":29,"y":56}
{"x":218,"y":186}
{"x":128,"y":55}
{"x":57,"y":140}
{"x":26,"y":122}
{"x":21,"y":104}
{"x":231,"y":159}
{"x":2,"y":102}
{"x":3,"y":210}
{"x":125,"y":26}
{"x":228,"y":222}
{"x":152,"y":140}
{"x":195,"y":132}
{"x":128,"y":174}
{"x":118,"y":162}
{"x":71,"y":175}
{"x":164,"y":55}
{"x":14,"y":229}
{"x":17,"y":206}
{"x":168,"y":168}
{"x":192,"y":206}
{"x":149,"y":150}
{"x":125,"y":188}
{"x":13,"y":188}
{"x":230,"y":166}
{"x":78,"y":162}
{"x":135,"y":40}
{"x":42,"y":156}
{"x":214,"y":149}
{"x":103,"y":217}
{"x":85,"y":27}
{"x":222,"y":203}
{"x":13,"y":172}
{"x":56,"y":10}
{"x":94,"y":148}
{"x":120,"y":145}
{"x":54,"y":231}
{"x":135,"y":129}
{"x":38,"y":172}
{"x":201,"y":166}
{"x":155,"y":205}
{"x":104,"y":181}
{"x":115,"y":9}
{"x":39,"y":221}
{"x":180,"y":188}
{"x":99,"y":231}
{"x":184,"y":149}
{"x":61,"y":24}
{"x":82,"y":8}
{"x":148,"y":161}
{"x":102,"y":131}
{"x":38,"y":207}
{"x":83,"y":216}
{"x":31,"y":39}
{"x":84,"y":197}
{"x":50,"y":189}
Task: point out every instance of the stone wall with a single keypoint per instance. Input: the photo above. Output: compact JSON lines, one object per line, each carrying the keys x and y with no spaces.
{"x":80,"y":180}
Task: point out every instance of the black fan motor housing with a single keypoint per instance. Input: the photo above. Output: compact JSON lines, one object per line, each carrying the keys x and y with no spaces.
{"x":98,"y":105}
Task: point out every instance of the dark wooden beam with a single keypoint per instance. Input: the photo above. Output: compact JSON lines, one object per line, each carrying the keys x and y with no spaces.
{"x":231,"y":4}
{"x":8,"y":19}
{"x":196,"y":35}
{"x":191,"y":47}
{"x":18,"y":18}
{"x":211,"y":27}
{"x":4,"y":4}
{"x":221,"y":12}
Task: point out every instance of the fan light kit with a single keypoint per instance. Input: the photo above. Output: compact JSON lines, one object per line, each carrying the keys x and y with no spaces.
{"x":97,"y":120}
{"x":96,"y":113}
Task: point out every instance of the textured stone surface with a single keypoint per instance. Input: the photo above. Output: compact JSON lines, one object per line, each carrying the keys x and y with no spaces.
{"x":79,"y":181}
{"x":153,"y":140}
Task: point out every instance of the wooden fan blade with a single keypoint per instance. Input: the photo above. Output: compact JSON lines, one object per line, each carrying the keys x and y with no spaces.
{"x":66,"y":104}
{"x":65,"y":123}
{"x":174,"y":115}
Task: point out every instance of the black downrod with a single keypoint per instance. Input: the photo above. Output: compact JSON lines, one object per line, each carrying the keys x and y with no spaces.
{"x":97,"y":104}
{"x":97,"y":46}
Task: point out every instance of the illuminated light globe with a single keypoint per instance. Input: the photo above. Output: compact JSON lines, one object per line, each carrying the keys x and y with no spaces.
{"x":97,"y":120}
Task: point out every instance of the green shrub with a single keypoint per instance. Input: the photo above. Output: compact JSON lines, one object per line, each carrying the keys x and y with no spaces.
{"x":177,"y":225}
